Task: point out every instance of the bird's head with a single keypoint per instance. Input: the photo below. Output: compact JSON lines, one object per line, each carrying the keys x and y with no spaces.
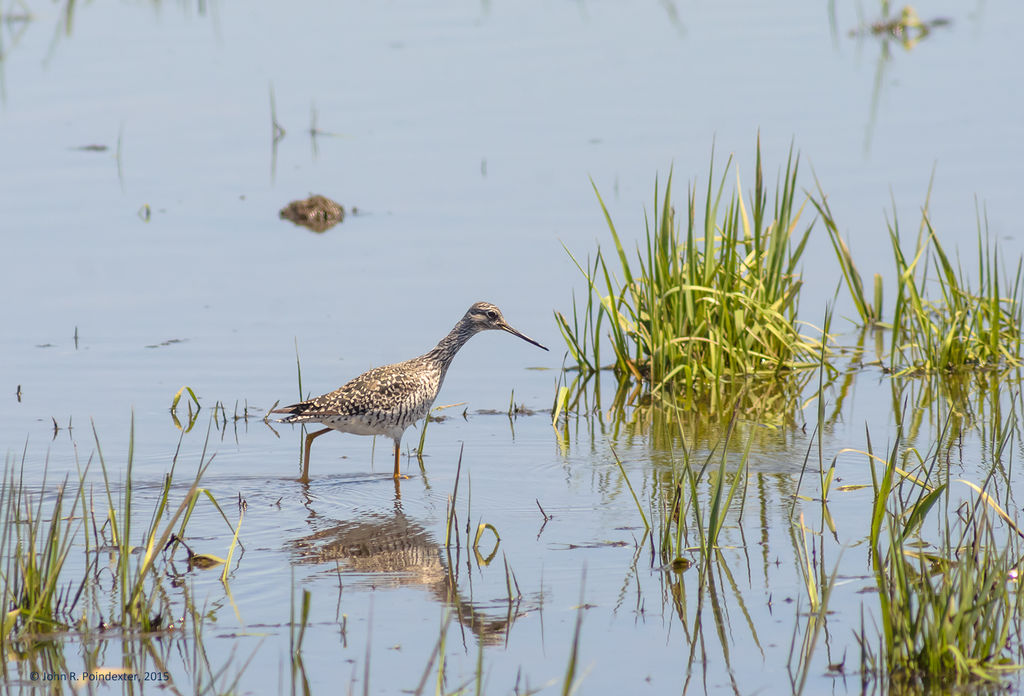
{"x":483,"y":316}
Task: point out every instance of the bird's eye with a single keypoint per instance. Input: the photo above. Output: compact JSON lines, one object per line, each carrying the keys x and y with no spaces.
{"x":491,"y":314}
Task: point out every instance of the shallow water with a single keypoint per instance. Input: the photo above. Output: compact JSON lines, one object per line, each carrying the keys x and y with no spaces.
{"x":467,"y":136}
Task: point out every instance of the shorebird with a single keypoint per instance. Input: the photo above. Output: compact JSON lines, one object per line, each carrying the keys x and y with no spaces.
{"x":387,"y":400}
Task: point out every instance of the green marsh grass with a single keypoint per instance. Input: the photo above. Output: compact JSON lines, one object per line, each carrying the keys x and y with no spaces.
{"x":825,"y":475}
{"x":941,"y":320}
{"x":690,"y":520}
{"x":632,"y":492}
{"x":947,"y":610}
{"x":709,"y":305}
{"x":52,"y":543}
{"x":571,"y":682}
{"x":139,"y":580}
{"x":296,"y":635}
{"x":869,"y":310}
{"x":949,"y":613}
{"x":703,"y":313}
{"x":432,"y":415}
{"x":968,"y":327}
{"x":192,"y":416}
{"x":480,"y":529}
{"x":35,"y":544}
{"x":819,"y":590}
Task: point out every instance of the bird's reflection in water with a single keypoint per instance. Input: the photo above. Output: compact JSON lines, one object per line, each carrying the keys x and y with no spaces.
{"x":400,"y":552}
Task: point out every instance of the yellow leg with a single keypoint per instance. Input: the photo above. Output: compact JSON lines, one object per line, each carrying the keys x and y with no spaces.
{"x":398,"y":453}
{"x":305,"y":459}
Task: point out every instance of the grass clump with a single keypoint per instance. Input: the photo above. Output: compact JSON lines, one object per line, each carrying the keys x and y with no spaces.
{"x":952,"y":614}
{"x":42,"y":593}
{"x":970,"y":327}
{"x":34,"y":546}
{"x":940,"y":321}
{"x":714,"y":303}
{"x":704,"y":303}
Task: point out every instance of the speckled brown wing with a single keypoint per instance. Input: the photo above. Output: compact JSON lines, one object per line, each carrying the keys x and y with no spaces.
{"x":404,"y":390}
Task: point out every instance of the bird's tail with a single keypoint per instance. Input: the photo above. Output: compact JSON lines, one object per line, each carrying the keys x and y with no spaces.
{"x":293,"y":412}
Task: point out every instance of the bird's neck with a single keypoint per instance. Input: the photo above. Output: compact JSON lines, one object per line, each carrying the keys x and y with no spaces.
{"x":448,"y":346}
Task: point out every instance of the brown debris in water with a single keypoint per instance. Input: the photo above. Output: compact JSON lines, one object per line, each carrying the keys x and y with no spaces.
{"x":317,"y":212}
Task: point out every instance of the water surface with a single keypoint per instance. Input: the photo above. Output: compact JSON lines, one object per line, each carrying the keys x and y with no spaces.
{"x":468,"y":136}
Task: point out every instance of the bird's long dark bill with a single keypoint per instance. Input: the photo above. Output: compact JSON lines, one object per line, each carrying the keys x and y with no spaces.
{"x":526,"y":338}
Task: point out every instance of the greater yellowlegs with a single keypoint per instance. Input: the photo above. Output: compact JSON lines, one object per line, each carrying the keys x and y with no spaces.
{"x":387,"y":400}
